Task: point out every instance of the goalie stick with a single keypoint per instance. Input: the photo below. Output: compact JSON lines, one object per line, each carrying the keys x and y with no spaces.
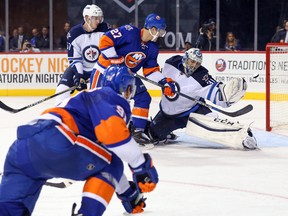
{"x":240,"y":112}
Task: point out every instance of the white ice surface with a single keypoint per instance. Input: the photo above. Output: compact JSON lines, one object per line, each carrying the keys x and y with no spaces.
{"x":196,"y":177}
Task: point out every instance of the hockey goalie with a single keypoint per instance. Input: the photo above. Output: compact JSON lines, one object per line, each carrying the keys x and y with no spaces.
{"x":177,"y":112}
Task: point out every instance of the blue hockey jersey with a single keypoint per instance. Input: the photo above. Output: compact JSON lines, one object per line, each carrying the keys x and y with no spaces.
{"x":126,"y":42}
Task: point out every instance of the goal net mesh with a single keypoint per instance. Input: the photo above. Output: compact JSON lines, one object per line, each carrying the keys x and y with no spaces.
{"x":276,"y":87}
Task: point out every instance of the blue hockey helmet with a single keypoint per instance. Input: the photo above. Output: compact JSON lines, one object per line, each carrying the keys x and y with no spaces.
{"x":120,"y":80}
{"x":154,"y":20}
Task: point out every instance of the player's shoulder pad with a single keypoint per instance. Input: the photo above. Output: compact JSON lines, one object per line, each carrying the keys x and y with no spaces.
{"x":202,"y":70}
{"x":75,"y":31}
{"x":202,"y":76}
{"x":174,"y":60}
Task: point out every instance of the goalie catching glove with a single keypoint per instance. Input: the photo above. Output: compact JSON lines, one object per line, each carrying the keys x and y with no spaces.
{"x":233,"y":90}
{"x":132,"y":200}
{"x":145,"y":176}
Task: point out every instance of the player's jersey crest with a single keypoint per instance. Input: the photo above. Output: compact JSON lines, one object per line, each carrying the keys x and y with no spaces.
{"x":133,"y":59}
{"x":91,"y":53}
{"x":206,"y":77}
{"x":128,"y":27}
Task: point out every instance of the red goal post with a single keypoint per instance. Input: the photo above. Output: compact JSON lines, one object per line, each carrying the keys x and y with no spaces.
{"x":276,"y":86}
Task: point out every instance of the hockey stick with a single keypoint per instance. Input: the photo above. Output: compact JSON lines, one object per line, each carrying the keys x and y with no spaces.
{"x":12,"y":110}
{"x":63,"y":184}
{"x":240,"y":112}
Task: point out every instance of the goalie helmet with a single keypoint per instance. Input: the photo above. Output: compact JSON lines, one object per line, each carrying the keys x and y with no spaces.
{"x":191,"y":60}
{"x":154,"y":20}
{"x":93,"y":11}
{"x":120,"y":80}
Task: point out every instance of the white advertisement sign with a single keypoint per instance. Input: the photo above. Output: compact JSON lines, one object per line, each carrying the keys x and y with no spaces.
{"x":43,"y":71}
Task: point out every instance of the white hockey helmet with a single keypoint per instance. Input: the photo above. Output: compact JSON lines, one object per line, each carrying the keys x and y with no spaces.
{"x":93,"y":11}
{"x":191,"y":60}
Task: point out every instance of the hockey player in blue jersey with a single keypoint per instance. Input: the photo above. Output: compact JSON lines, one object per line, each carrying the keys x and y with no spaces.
{"x":136,"y":48}
{"x":84,"y":138}
{"x":177,"y":112}
{"x":83,"y":50}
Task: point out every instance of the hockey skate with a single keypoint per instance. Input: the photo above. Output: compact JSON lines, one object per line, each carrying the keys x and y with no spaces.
{"x":250,"y":142}
{"x":170,"y":138}
{"x":140,"y":136}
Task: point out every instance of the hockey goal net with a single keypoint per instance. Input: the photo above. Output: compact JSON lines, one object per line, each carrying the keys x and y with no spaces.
{"x":276,"y":86}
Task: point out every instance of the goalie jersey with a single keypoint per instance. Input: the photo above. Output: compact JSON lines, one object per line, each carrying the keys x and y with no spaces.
{"x":82,"y":46}
{"x":200,"y":85}
{"x":126,"y":42}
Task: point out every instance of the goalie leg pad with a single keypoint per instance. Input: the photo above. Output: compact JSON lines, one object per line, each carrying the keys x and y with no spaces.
{"x":222,"y":131}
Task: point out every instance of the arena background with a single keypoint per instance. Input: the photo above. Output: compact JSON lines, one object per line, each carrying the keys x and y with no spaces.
{"x":253,"y":22}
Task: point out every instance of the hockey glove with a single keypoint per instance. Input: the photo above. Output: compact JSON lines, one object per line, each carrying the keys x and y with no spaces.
{"x":79,"y":81}
{"x":132,"y":200}
{"x":145,"y":175}
{"x":168,"y":88}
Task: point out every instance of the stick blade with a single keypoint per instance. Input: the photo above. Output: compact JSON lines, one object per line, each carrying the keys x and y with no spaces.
{"x":7,"y":108}
{"x":63,"y":184}
{"x":240,"y":112}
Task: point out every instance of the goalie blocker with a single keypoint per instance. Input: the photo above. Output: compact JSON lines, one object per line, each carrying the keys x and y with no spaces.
{"x":222,"y":131}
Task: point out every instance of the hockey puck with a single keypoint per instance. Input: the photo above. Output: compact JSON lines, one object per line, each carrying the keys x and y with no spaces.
{"x":255,"y":75}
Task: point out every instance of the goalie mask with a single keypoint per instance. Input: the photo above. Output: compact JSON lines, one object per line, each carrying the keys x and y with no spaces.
{"x":191,"y":61}
{"x":120,"y":80}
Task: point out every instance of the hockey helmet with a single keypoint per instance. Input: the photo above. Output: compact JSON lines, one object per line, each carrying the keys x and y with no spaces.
{"x":154,"y":20}
{"x":93,"y":11}
{"x":120,"y":80}
{"x":191,"y":60}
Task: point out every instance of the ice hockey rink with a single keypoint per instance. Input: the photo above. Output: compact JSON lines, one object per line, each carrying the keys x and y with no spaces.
{"x":197,"y":177}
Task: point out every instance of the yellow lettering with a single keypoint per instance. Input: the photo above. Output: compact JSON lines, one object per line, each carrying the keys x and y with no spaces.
{"x":22,"y":67}
{"x":14,"y":65}
{"x":57,"y":64}
{"x":5,"y":65}
{"x":30,"y":65}
{"x":38,"y":63}
{"x":51,"y":64}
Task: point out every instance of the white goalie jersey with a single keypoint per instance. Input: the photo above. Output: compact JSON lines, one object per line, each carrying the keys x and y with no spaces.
{"x":201,"y":86}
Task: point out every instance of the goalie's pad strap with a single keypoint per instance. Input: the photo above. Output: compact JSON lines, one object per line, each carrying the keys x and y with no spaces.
{"x":222,"y":131}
